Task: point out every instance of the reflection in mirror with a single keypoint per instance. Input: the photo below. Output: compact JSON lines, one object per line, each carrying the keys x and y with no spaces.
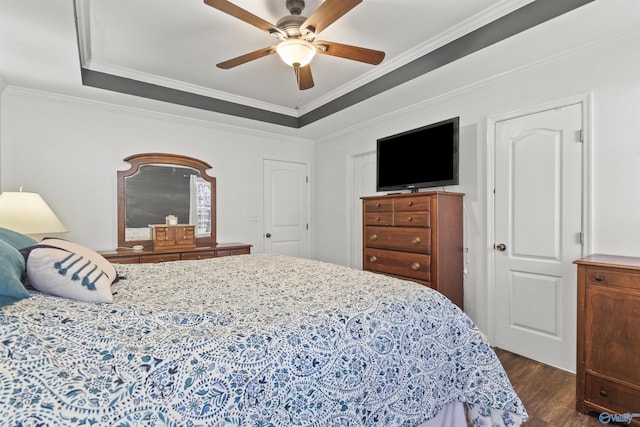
{"x":159,"y":185}
{"x":156,"y":191}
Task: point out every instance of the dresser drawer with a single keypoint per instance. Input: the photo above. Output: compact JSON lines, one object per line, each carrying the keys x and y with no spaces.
{"x":417,"y":203}
{"x":124,"y":260}
{"x":385,"y":205}
{"x":411,"y":219}
{"x":615,"y":397}
{"x":399,"y":238}
{"x":197,"y":255}
{"x":160,"y":258}
{"x":378,"y":218}
{"x":405,"y":264}
{"x":231,"y":252}
{"x":612,"y":277}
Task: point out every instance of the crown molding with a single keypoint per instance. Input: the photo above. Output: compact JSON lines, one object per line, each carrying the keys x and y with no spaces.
{"x":151,"y":113}
{"x":564,"y":56}
{"x":186,"y":87}
{"x":473,"y":23}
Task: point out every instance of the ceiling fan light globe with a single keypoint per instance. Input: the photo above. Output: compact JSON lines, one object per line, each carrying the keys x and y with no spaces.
{"x":296,"y":52}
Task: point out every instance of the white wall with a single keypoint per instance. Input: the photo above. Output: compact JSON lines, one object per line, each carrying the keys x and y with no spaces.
{"x":610,"y":71}
{"x":69,"y":150}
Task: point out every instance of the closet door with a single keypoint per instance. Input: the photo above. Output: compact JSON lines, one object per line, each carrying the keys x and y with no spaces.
{"x":286,"y":208}
{"x":538,"y":224}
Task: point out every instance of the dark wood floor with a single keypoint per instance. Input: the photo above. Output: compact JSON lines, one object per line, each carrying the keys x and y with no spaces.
{"x":548,"y":393}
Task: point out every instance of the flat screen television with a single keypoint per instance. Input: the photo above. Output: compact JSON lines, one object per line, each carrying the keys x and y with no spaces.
{"x":419,"y":158}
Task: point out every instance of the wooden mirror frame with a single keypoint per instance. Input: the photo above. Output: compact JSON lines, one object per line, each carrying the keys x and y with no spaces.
{"x":138,"y":160}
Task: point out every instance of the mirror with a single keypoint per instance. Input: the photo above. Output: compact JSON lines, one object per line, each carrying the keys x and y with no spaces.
{"x":158,"y":185}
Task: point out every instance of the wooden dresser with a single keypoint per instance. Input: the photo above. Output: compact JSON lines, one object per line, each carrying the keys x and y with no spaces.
{"x":129,"y":256}
{"x":608,"y":345}
{"x":417,"y":237}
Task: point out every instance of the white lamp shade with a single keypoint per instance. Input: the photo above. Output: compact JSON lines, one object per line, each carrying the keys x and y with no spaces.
{"x":28,"y":213}
{"x":296,"y":52}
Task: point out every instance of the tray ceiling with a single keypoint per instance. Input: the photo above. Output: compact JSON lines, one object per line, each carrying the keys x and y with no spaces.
{"x":168,"y":50}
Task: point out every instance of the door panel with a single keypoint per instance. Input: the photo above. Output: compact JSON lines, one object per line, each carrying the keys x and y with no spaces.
{"x":286,"y":208}
{"x":535,"y":194}
{"x":534,"y":303}
{"x":538,"y":218}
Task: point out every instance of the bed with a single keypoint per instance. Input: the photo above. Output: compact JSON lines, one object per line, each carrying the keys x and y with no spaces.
{"x":250,"y":340}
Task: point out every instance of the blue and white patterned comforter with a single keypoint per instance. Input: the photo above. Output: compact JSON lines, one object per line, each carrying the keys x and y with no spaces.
{"x":254,"y":340}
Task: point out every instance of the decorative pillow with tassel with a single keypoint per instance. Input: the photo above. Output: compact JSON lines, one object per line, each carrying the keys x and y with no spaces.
{"x":69,"y":270}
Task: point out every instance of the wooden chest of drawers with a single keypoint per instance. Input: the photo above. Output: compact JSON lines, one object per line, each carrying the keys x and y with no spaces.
{"x":608,"y":344}
{"x":173,"y":236}
{"x":418,"y":237}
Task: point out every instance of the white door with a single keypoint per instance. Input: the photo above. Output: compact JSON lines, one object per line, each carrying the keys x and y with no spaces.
{"x":364,"y":184}
{"x":538,"y":234}
{"x":286,"y":208}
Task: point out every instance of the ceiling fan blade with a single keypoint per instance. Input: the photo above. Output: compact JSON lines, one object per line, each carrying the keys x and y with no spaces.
{"x":247,"y":57}
{"x":346,"y":51}
{"x":326,"y":14}
{"x":246,"y":16}
{"x":304,"y":77}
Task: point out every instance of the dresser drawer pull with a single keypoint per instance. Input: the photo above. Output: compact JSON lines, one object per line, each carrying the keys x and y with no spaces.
{"x":378,"y":218}
{"x":374,"y":237}
{"x":415,"y":266}
{"x":416,"y":240}
{"x":599,"y":278}
{"x":373,"y":259}
{"x":604,"y":393}
{"x":409,"y":204}
{"x":410,"y":219}
{"x":377,"y":205}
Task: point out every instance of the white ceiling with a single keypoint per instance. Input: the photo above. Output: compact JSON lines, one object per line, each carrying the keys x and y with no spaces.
{"x":177,"y":43}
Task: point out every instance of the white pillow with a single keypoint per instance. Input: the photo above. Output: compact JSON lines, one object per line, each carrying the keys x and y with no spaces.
{"x":69,"y":270}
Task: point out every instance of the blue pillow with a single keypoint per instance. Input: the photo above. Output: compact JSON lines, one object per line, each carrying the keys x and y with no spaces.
{"x":11,"y":270}
{"x":15,"y":239}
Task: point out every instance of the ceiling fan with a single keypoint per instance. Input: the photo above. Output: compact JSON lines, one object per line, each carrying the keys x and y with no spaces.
{"x":297,"y":35}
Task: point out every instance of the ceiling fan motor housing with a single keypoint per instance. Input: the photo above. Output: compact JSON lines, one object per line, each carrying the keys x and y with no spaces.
{"x":291,"y":24}
{"x":295,"y":7}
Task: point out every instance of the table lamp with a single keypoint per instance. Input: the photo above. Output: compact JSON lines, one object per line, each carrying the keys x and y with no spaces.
{"x":28,"y":213}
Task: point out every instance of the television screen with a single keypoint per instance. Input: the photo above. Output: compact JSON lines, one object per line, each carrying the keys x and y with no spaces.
{"x":419,"y":158}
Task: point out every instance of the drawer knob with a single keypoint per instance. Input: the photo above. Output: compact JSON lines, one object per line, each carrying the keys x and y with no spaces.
{"x":373,"y":259}
{"x":410,"y":219}
{"x":377,"y":205}
{"x":599,"y":278}
{"x":604,"y":393}
{"x":415,"y":266}
{"x":416,"y":240}
{"x":374,"y":237}
{"x":378,"y":218}
{"x":409,"y":203}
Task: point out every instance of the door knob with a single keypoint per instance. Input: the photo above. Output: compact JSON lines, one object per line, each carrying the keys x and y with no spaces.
{"x":267,"y":235}
{"x":501,"y":247}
